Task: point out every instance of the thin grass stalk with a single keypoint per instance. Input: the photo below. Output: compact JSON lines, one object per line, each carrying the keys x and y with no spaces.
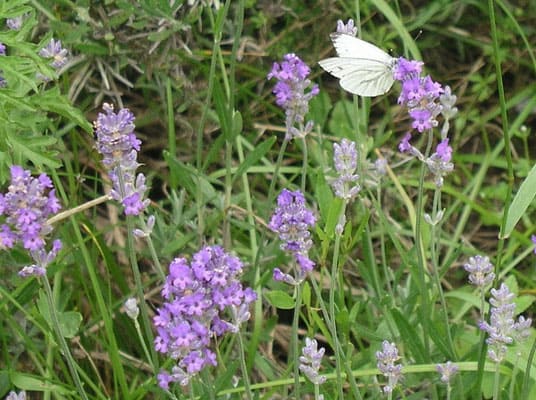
{"x":506,"y":135}
{"x":204,"y":115}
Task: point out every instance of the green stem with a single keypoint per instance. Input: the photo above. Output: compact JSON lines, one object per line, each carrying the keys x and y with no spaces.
{"x":295,"y":346}
{"x":142,"y":341}
{"x":330,"y":322}
{"x":245,"y":375}
{"x":61,"y":339}
{"x":146,"y":323}
{"x":425,"y":307}
{"x":304,"y":166}
{"x":152,"y":250}
{"x":436,"y":236}
{"x":496,"y":382}
{"x":332,"y":289}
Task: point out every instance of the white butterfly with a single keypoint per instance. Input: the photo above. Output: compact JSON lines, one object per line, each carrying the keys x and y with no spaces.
{"x":362,"y":68}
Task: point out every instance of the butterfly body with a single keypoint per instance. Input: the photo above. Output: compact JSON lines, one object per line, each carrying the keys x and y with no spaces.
{"x":362,"y":68}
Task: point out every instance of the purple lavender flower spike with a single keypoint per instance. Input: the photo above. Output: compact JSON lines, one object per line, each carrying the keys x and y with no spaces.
{"x":291,"y":221}
{"x":2,"y":49}
{"x":387,"y":358}
{"x":502,"y":329}
{"x":310,"y":361}
{"x":290,"y":92}
{"x":204,"y":299}
{"x":119,"y":146}
{"x":533,"y":240}
{"x":345,"y":161}
{"x":58,"y":54}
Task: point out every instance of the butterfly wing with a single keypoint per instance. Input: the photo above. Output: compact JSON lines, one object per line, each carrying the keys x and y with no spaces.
{"x":352,"y":47}
{"x":364,"y":77}
{"x":362,"y":68}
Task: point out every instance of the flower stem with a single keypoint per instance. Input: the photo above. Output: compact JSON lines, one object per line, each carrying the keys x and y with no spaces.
{"x":496,"y":381}
{"x":332,"y":289}
{"x":245,"y":375}
{"x":295,"y":347}
{"x":61,"y":339}
{"x":425,"y":307}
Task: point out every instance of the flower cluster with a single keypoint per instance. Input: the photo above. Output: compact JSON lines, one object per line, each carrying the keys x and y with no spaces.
{"x":290,"y":93}
{"x":119,"y":147}
{"x":26,"y":207}
{"x":480,"y":271}
{"x":197,"y":296}
{"x":310,"y":361}
{"x":345,"y":161}
{"x":57,"y":53}
{"x":291,"y":221}
{"x":502,"y":328}
{"x":387,"y":358}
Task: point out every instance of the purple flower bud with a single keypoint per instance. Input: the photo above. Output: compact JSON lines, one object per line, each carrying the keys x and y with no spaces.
{"x":447,"y":371}
{"x":58,"y":54}
{"x":480,"y":271}
{"x":119,"y":146}
{"x":15,"y":23}
{"x":348,"y":28}
{"x":404,"y":146}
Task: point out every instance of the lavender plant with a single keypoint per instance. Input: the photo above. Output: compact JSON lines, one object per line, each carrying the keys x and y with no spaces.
{"x":372,"y":245}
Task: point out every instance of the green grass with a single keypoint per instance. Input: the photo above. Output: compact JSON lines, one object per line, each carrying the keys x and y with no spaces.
{"x":215,"y":157}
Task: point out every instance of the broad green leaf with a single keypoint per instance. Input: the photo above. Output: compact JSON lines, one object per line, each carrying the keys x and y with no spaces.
{"x":520,"y":203}
{"x":280,"y":299}
{"x":34,"y":149}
